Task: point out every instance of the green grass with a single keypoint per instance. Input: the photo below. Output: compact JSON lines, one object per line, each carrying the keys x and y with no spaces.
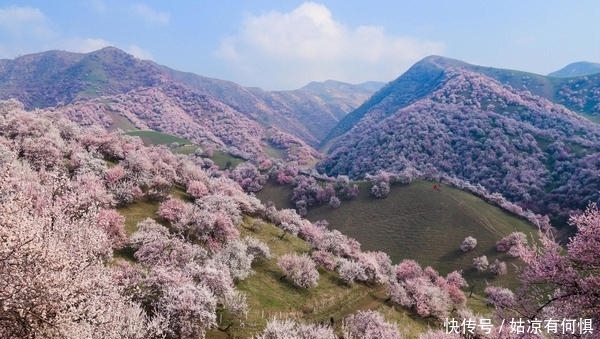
{"x":279,"y":194}
{"x":150,"y":137}
{"x":416,"y":222}
{"x":136,"y":212}
{"x":225,"y":160}
{"x":270,"y":296}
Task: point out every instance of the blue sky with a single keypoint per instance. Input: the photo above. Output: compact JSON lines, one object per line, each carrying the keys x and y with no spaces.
{"x":286,"y":44}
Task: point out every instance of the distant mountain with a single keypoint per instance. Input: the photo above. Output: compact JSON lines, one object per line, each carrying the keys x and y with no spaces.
{"x":66,"y":80}
{"x":308,"y":113}
{"x":448,"y":117}
{"x":580,"y":94}
{"x":413,"y":85}
{"x":577,"y":69}
{"x":57,"y":77}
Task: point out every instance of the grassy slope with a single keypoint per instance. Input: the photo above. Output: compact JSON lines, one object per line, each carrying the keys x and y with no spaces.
{"x":416,"y":222}
{"x":413,"y":222}
{"x":150,"y":137}
{"x":269,"y":296}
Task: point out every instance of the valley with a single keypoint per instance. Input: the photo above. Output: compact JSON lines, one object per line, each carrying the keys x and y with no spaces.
{"x":188,"y":192}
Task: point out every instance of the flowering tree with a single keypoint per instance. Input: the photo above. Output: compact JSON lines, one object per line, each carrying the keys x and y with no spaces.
{"x":54,"y":281}
{"x":425,"y":291}
{"x":113,"y":224}
{"x":368,"y":325}
{"x":511,"y":243}
{"x":468,"y":244}
{"x":350,"y":271}
{"x":481,"y":263}
{"x":559,"y":283}
{"x":498,"y":267}
{"x":187,"y":310}
{"x":380,"y":184}
{"x":291,"y":329}
{"x":301,"y":269}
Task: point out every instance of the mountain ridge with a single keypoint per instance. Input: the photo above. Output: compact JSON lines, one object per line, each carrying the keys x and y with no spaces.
{"x":467,"y":124}
{"x":575,"y":69}
{"x":289,"y":119}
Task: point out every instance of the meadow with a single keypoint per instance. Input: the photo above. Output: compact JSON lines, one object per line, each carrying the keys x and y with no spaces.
{"x":417,"y":222}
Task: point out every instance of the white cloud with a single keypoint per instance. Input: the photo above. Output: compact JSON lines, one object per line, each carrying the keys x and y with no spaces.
{"x":25,"y":22}
{"x":287,"y":50}
{"x":138,"y":52}
{"x":151,"y":15}
{"x":84,"y":45}
{"x":23,"y":30}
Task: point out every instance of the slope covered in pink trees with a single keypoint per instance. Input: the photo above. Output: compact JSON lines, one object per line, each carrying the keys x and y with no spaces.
{"x":60,"y":226}
{"x":532,"y":151}
{"x":53,"y":277}
{"x":59,"y":229}
{"x":181,"y":111}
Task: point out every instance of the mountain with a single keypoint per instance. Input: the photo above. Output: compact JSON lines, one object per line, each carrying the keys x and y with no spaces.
{"x":416,"y":83}
{"x":57,"y":77}
{"x":308,"y":113}
{"x":287,"y":118}
{"x":445,"y":117}
{"x":580,"y":94}
{"x":577,"y":69}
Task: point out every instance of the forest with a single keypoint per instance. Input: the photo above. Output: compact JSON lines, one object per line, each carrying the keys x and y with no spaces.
{"x":73,"y":266}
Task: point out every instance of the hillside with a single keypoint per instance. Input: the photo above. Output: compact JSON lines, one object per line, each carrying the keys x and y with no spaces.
{"x":417,"y":222}
{"x":467,"y":125}
{"x":308,"y":113}
{"x":577,"y":69}
{"x":107,"y":236}
{"x":57,"y":77}
{"x":112,"y":89}
{"x":579,"y":92}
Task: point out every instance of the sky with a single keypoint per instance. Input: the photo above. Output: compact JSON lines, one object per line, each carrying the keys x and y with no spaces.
{"x":278,"y":45}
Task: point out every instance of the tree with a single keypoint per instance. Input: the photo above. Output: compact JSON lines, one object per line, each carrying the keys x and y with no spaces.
{"x":425,"y":291}
{"x":468,"y":244}
{"x":187,"y":310}
{"x":196,"y":189}
{"x":368,"y":325}
{"x":481,"y":263}
{"x":334,"y":202}
{"x":52,"y":264}
{"x":350,"y":271}
{"x":301,"y":269}
{"x":236,"y":256}
{"x":291,"y":329}
{"x":562,"y":282}
{"x":498,"y":267}
{"x":512,"y":243}
{"x":114,"y":225}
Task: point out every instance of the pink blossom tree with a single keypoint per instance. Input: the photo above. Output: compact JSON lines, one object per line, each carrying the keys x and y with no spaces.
{"x":300,"y":269}
{"x":113,"y":224}
{"x":481,"y":263}
{"x":511,"y":243}
{"x":187,"y":310}
{"x":498,"y":267}
{"x":559,"y":282}
{"x":53,"y":273}
{"x":291,"y":329}
{"x":468,"y":244}
{"x":368,"y":325}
